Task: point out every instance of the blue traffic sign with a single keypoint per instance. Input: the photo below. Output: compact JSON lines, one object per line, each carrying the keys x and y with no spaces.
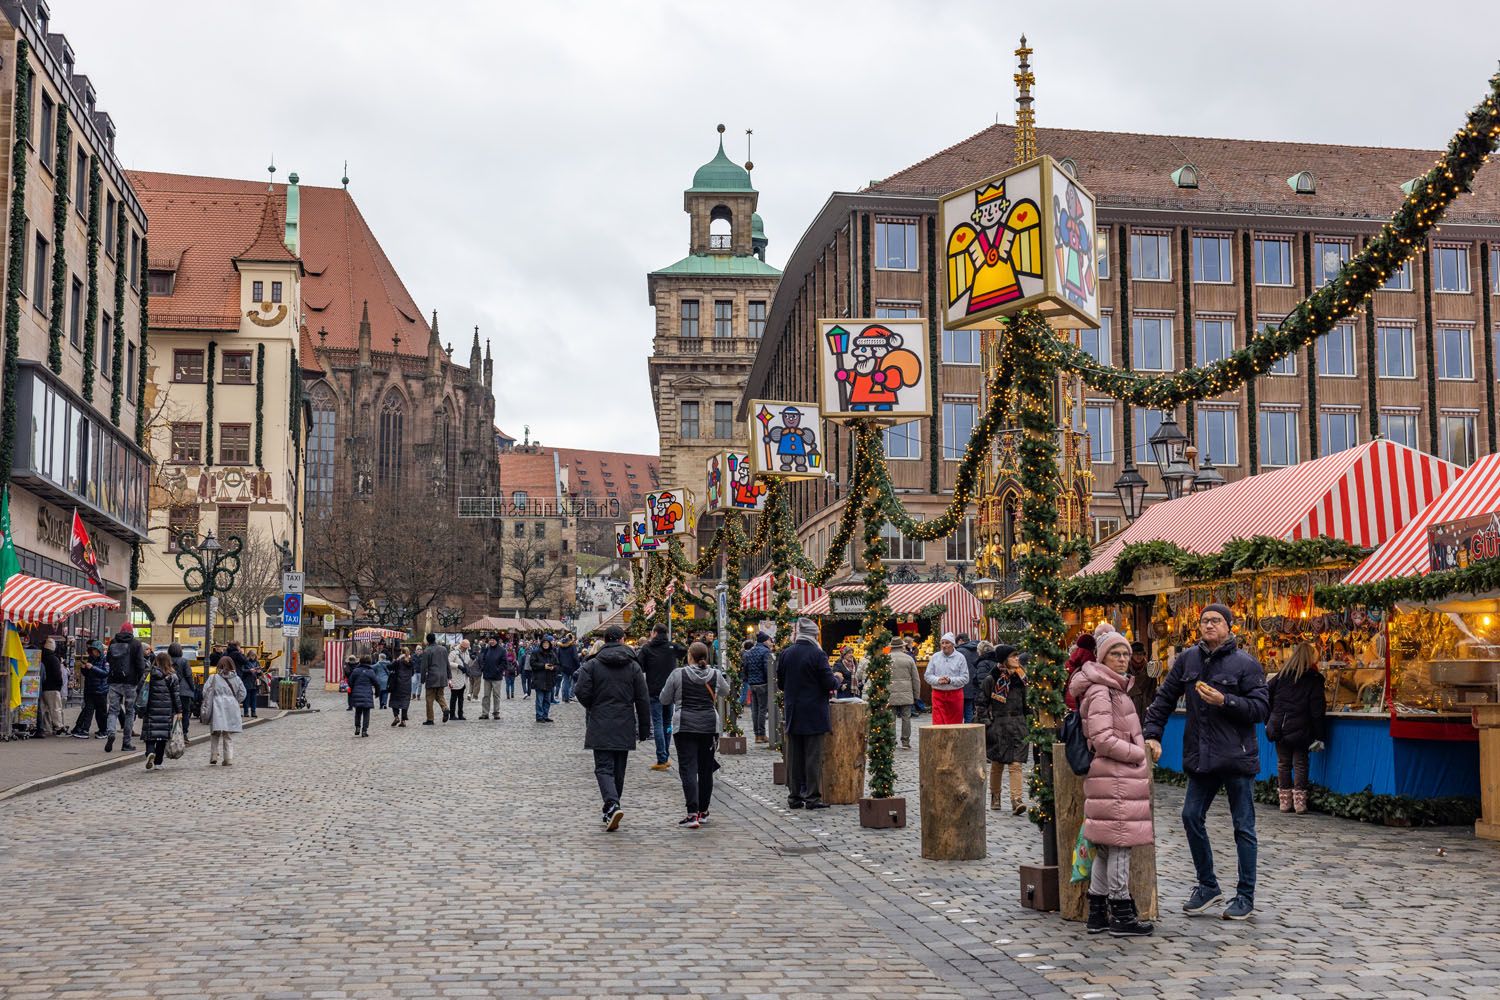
{"x":291,"y":610}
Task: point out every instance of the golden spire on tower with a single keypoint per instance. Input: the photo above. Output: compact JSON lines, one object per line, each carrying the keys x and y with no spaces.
{"x":1025,"y":117}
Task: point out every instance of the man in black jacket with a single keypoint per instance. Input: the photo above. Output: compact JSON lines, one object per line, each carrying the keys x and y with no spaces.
{"x":127,"y":667}
{"x":807,"y":682}
{"x":658,"y":658}
{"x":612,"y":688}
{"x":492,"y":672}
{"x":1226,"y":696}
{"x":969,"y":650}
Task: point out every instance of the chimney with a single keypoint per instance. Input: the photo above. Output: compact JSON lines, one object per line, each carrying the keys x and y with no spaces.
{"x":293,"y":213}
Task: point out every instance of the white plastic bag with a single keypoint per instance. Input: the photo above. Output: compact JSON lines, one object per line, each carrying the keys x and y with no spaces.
{"x":176,"y":745}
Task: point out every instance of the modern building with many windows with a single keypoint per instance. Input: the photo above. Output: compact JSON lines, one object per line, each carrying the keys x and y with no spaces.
{"x":76,"y":317}
{"x":1201,"y":243}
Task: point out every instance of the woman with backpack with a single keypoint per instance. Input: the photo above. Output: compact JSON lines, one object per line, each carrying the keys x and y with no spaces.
{"x":1117,"y":791}
{"x":1298,"y":709}
{"x":161,"y":693}
{"x":223,"y":694}
{"x":1002,"y":709}
{"x":693,"y":690}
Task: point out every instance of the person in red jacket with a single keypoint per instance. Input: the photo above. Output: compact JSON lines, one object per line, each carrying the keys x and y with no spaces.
{"x":1083,"y":652}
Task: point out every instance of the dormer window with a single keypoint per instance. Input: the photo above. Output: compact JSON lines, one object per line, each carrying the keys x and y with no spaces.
{"x":1070,"y":165}
{"x":160,"y":282}
{"x":1302,"y":182}
{"x":43,"y":18}
{"x":1185,"y":176}
{"x":1409,"y":186}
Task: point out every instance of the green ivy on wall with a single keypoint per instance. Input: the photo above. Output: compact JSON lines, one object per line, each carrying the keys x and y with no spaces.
{"x":13,"y":266}
{"x":260,"y":401}
{"x":210,"y":375}
{"x":59,"y":237}
{"x":145,"y":327}
{"x":117,"y":362}
{"x":1312,"y":355}
{"x":1252,"y":416}
{"x":91,"y":296}
{"x":934,"y":353}
{"x":1488,"y":339}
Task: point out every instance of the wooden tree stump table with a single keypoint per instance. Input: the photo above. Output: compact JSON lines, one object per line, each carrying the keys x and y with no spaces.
{"x":844,"y":753}
{"x":951,"y":765}
{"x":1072,"y":897}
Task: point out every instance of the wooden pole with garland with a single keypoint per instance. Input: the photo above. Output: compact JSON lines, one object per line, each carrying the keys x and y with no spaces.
{"x":13,"y":264}
{"x":59,"y":236}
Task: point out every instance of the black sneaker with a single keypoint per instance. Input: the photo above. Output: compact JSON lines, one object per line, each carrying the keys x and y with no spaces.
{"x":612,"y":823}
{"x":109,"y":743}
{"x":794,"y":803}
{"x":816,"y":805}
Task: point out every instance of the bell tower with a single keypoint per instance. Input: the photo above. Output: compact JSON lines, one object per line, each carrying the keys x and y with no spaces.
{"x":721,"y":204}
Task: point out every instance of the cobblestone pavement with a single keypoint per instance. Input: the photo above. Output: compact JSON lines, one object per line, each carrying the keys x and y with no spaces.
{"x":466,"y":860}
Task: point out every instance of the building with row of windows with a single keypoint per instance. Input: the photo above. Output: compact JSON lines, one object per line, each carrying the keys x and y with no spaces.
{"x":77,"y":365}
{"x":1201,"y":243}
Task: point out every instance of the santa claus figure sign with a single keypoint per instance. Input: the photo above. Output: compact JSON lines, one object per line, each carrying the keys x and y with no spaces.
{"x":873,"y":368}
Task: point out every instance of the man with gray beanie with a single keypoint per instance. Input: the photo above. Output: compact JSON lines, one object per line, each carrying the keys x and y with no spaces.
{"x":807,"y":682}
{"x":1226,"y":696}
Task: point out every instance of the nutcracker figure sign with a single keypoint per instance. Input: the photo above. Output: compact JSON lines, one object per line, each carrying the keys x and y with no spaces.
{"x":788,"y":439}
{"x":1020,"y":240}
{"x":873,"y":368}
{"x":732,"y":484}
{"x":669,"y":512}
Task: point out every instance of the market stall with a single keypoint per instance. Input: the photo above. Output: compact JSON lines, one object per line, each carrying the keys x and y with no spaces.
{"x":33,"y":607}
{"x":921,"y":610}
{"x":1263,"y":546}
{"x":760,"y":593}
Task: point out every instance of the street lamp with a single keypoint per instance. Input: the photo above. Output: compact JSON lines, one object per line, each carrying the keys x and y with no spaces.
{"x":1131,"y":489}
{"x":1168,"y":448}
{"x":208,"y":569}
{"x":985,"y":589}
{"x":1208,"y":476}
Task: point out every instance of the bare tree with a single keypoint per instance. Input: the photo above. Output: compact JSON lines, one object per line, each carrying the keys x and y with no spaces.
{"x":259,"y":577}
{"x":531,"y":576}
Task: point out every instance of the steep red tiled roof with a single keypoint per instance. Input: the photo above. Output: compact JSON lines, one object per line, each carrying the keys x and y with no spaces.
{"x":530,"y":472}
{"x":270,"y":239}
{"x":597,"y":474}
{"x":205,"y":222}
{"x":1129,"y":169}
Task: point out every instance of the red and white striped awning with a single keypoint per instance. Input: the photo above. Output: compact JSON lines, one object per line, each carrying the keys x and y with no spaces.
{"x":370,"y":632}
{"x":1405,"y":554}
{"x":29,"y":599}
{"x":760,"y":593}
{"x":964,"y":609}
{"x":1362,"y":495}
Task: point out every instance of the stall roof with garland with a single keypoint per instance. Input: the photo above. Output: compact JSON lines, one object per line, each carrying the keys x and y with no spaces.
{"x":1362,"y":495}
{"x":962,"y":608}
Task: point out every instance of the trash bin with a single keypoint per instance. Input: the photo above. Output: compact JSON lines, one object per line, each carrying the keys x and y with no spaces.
{"x":286,"y":695}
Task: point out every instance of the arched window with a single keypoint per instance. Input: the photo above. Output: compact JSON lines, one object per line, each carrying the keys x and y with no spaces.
{"x":450,"y":451}
{"x":320,"y":449}
{"x":721,"y":229}
{"x":392,"y":419}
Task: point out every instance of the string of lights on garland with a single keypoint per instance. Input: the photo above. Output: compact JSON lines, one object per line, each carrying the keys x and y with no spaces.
{"x":260,"y":400}
{"x":117,"y":349}
{"x":880,"y":745}
{"x":91,"y":294}
{"x":208,"y":419}
{"x":734,"y":538}
{"x":1401,"y":237}
{"x":1476,"y":578}
{"x":13,"y":267}
{"x":145,"y":328}
{"x":59,"y":236}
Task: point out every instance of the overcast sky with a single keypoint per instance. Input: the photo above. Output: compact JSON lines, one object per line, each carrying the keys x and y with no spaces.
{"x":523,"y":163}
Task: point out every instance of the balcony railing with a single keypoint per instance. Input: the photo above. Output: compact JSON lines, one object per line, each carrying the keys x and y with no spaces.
{"x":720,"y":242}
{"x":718,"y":345}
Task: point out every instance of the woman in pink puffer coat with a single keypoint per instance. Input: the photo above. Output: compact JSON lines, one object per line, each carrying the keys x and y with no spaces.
{"x":1117,"y":791}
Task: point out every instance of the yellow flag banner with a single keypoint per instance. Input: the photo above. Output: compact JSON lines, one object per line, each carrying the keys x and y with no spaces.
{"x":14,"y":656}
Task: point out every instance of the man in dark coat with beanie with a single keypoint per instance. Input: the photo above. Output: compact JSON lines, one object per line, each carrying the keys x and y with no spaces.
{"x":1226,"y":696}
{"x":807,"y":682}
{"x":612,"y":688}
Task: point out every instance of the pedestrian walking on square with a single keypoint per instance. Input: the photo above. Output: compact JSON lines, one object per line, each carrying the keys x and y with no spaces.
{"x":403,"y":672}
{"x":807,"y":683}
{"x":755,"y":665}
{"x":163,"y":707}
{"x":1296,"y":724}
{"x":947,"y":674}
{"x":433,"y":666}
{"x":458,"y":680}
{"x":127,"y":668}
{"x":693,"y":691}
{"x":472,"y":670}
{"x":246,"y":669}
{"x":1117,"y":791}
{"x":524,"y":649}
{"x":567,"y":665}
{"x":659,"y":657}
{"x":382,"y":668}
{"x":492,"y":667}
{"x":362,"y":685}
{"x":543,"y":675}
{"x":1226,"y":697}
{"x":223,"y":694}
{"x":902,"y":692}
{"x":188,"y":686}
{"x":969,"y":650}
{"x":1002,"y":709}
{"x":49,"y":720}
{"x":95,"y":695}
{"x":512,"y":668}
{"x":612,"y":689}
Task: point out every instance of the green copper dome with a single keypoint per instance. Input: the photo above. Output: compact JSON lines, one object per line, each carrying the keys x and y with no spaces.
{"x":721,"y":174}
{"x":757,"y":227}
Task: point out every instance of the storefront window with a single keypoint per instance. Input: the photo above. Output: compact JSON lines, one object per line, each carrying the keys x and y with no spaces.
{"x":1444,"y":663}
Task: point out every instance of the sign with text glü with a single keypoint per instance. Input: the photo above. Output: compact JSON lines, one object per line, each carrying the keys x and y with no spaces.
{"x":873,"y":368}
{"x":1460,"y":544}
{"x":786,"y":439}
{"x":669,"y":512}
{"x":1022,"y":239}
{"x":640,"y":534}
{"x":731,"y":483}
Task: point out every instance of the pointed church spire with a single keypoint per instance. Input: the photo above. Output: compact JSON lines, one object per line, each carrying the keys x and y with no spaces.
{"x":489,"y":366}
{"x":434,"y":349}
{"x":364,"y":336}
{"x":476,"y":372}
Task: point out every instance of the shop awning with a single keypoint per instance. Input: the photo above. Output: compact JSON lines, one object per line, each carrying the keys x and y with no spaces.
{"x":760,"y":593}
{"x":1405,"y":554}
{"x":317,"y":604}
{"x":29,"y":599}
{"x":1362,"y":495}
{"x":964,"y":609}
{"x":371,"y":632}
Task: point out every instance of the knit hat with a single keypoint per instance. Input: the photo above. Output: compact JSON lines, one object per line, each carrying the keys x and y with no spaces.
{"x":1221,"y":609}
{"x":1087,"y":642}
{"x":807,"y":629}
{"x":1103,"y":627}
{"x":1109,"y":641}
{"x":1003,"y":653}
{"x":948,"y":637}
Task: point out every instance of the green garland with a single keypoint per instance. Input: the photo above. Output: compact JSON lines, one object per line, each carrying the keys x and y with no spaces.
{"x":260,"y":401}
{"x":1252,"y":413}
{"x":213,"y":367}
{"x":1312,"y":355}
{"x":117,"y":363}
{"x":1315,"y":315}
{"x":1476,"y":578}
{"x":13,"y":266}
{"x":145,"y":327}
{"x":1371,"y":366}
{"x":91,"y":298}
{"x":880,"y":745}
{"x":1261,"y":552}
{"x":1485,"y":297}
{"x":1365,"y":806}
{"x":1431,"y":352}
{"x":934,"y":356}
{"x":1126,"y":331}
{"x":59,"y":240}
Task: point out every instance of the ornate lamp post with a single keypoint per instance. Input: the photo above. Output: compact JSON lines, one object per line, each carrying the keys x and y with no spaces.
{"x":1168,"y":448}
{"x":208,"y":569}
{"x":1131,"y":489}
{"x":1208,"y":476}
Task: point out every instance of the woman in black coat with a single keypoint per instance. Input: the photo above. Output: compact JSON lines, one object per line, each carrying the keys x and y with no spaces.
{"x":1002,"y":709}
{"x":1298,"y":707}
{"x":163,"y":705}
{"x":362,"y":686}
{"x":400,"y":681}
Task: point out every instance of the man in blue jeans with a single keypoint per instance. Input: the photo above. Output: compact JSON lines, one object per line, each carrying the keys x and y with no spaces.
{"x":659,"y":657}
{"x":1226,"y":696}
